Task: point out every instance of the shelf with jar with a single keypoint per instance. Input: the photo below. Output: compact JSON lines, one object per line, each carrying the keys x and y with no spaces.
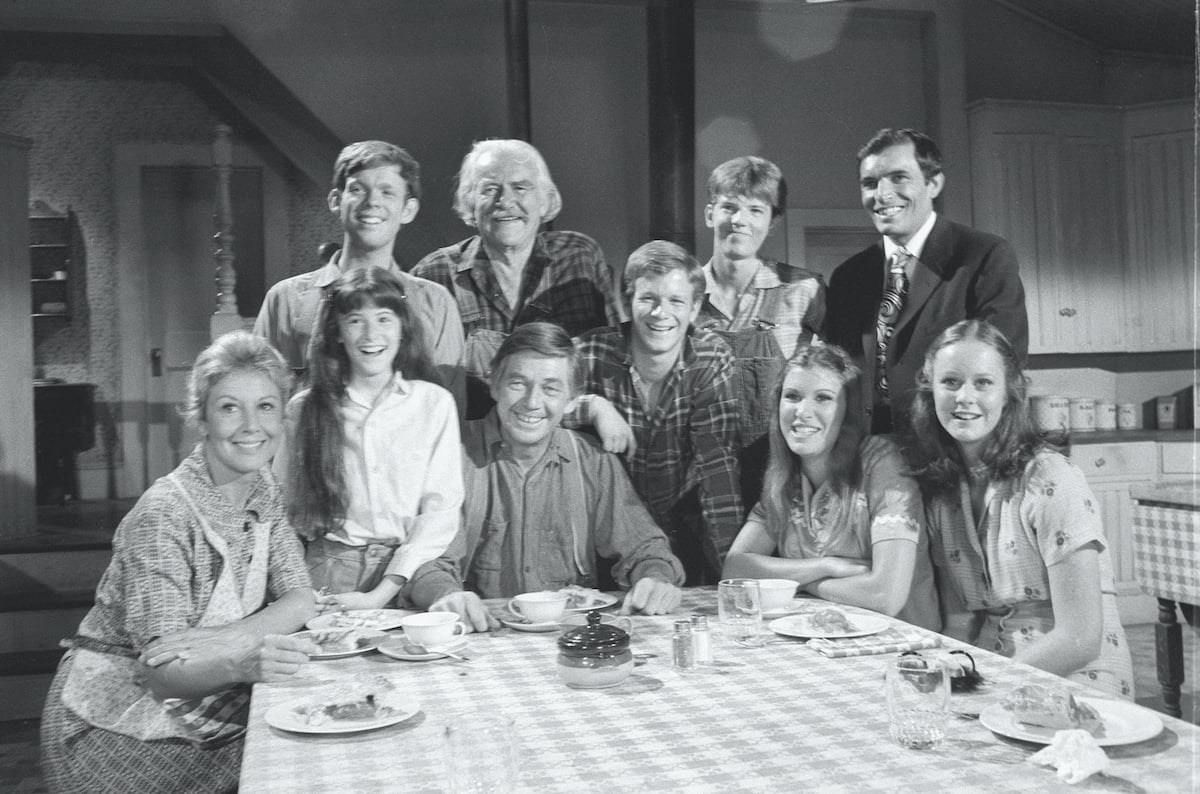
{"x":50,"y":252}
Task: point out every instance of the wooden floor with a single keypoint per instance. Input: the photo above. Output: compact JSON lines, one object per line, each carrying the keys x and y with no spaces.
{"x":71,"y":526}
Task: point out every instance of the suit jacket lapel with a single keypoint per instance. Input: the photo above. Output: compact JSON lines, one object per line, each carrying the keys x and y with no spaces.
{"x":927,"y":277}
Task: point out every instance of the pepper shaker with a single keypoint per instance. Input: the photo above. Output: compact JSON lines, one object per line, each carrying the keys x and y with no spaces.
{"x":682,"y":654}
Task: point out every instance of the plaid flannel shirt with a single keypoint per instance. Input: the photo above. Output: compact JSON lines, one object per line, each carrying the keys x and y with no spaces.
{"x":566,"y":281}
{"x":690,"y":438}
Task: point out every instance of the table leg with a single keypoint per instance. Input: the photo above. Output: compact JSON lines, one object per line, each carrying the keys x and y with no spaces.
{"x":1168,"y":655}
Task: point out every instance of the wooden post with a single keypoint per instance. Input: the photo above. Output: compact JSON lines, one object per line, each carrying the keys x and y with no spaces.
{"x":671,"y":57}
{"x":516,"y":58}
{"x":226,"y":317}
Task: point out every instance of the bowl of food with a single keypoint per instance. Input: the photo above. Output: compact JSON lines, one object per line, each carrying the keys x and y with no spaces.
{"x":777,"y":594}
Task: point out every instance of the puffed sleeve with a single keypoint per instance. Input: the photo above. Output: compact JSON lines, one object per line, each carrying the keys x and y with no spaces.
{"x":1059,"y":507}
{"x":893,"y":498}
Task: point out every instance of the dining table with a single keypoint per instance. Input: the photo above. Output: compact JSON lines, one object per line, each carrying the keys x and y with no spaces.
{"x":783,"y":716}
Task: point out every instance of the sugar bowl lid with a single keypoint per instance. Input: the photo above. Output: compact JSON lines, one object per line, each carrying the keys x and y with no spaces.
{"x":594,"y":639}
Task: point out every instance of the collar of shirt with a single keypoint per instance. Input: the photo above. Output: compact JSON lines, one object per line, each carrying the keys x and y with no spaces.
{"x":915,"y":246}
{"x":624,"y":349}
{"x":497,"y":447}
{"x":475,"y":255}
{"x":196,"y":474}
{"x":764,"y":277}
{"x":397,"y":385}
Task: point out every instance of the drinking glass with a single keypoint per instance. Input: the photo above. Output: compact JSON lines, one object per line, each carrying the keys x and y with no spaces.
{"x":918,"y":695}
{"x":480,"y":752}
{"x":739,"y":609}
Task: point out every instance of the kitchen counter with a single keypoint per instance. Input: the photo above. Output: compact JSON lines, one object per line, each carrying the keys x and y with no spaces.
{"x":1181,"y":495}
{"x":1116,"y":436}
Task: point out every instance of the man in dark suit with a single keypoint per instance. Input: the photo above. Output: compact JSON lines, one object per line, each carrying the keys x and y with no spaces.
{"x":924,"y":275}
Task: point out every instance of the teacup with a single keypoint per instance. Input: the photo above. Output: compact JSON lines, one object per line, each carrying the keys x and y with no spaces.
{"x":432,"y":629}
{"x":542,"y":607}
{"x":777,"y":594}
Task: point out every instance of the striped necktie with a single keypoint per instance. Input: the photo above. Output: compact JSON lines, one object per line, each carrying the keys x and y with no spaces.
{"x":889,"y":310}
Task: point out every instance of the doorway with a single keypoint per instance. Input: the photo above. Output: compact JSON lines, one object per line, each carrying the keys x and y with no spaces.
{"x":167,"y":289}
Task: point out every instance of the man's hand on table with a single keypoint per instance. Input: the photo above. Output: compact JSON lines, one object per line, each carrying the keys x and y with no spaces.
{"x":470,"y":609}
{"x":651,"y":596}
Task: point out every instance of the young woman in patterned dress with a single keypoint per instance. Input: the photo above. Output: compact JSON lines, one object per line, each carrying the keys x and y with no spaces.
{"x":1016,"y":535}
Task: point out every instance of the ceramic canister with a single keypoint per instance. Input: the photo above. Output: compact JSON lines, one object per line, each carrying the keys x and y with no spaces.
{"x":1127,"y":417}
{"x":1083,"y":414}
{"x":1166,"y":412}
{"x":1106,"y":415}
{"x":1050,"y":413}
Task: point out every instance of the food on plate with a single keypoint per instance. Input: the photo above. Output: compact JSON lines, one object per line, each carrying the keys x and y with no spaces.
{"x":1052,"y":707}
{"x":830,"y":620}
{"x":582,"y":597}
{"x":353,"y":701}
{"x":361,"y":619}
{"x":340,"y":640}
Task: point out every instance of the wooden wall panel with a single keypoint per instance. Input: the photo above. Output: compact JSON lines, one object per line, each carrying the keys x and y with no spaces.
{"x":17,"y":466}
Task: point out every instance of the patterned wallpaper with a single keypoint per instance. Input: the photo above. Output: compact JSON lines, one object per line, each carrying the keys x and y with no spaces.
{"x":76,"y":113}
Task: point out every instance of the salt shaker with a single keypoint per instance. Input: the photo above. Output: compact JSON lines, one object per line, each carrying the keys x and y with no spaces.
{"x":682,"y":654}
{"x":701,"y":640}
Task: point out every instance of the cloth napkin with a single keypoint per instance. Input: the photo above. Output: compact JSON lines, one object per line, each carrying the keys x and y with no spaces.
{"x":1074,"y":754}
{"x":896,"y":639}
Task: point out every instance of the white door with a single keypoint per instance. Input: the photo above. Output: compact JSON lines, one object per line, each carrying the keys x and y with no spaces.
{"x":168,"y":289}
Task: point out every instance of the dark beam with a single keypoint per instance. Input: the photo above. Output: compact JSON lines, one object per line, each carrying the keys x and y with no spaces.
{"x":670,"y":52}
{"x":516,"y":58}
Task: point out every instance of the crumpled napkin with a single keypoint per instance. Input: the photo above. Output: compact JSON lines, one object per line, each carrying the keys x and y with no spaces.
{"x":1074,"y":754}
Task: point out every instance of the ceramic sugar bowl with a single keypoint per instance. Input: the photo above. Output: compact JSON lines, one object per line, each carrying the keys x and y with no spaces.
{"x":594,"y":656}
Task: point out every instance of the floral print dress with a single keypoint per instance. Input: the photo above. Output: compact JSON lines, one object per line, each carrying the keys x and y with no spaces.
{"x":998,"y":567}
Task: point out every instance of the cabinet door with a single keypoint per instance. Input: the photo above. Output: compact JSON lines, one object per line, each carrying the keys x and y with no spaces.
{"x":1048,"y":180}
{"x":1116,"y":513}
{"x":1162,"y":266}
{"x":1089,"y":264}
{"x":1018,"y":204}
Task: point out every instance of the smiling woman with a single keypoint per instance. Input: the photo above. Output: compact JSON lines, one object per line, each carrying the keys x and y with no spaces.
{"x":374,"y":476}
{"x":1014,"y":528}
{"x":837,"y":515}
{"x":153,"y":693}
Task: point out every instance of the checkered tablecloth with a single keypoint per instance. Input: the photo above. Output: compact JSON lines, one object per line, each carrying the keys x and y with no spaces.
{"x":1166,"y":548}
{"x":777,"y":718}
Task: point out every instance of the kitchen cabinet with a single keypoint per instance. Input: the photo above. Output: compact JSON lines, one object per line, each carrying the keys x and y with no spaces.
{"x":1161,"y":168}
{"x":1096,"y":201}
{"x":1112,"y":470}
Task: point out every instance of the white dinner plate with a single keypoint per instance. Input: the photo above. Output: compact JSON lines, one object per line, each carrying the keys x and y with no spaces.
{"x":521,"y":624}
{"x":335,"y":642}
{"x":1124,"y":723}
{"x":394,"y":647}
{"x":797,"y":605}
{"x":379,"y":619}
{"x":801,"y":626}
{"x":289,"y":716}
{"x":596,"y":599}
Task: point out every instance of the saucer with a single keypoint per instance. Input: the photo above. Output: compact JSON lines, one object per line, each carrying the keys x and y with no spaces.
{"x":395,"y":648}
{"x":521,"y":624}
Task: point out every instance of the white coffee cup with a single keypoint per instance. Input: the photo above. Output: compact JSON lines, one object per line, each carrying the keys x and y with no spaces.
{"x":541,"y":607}
{"x":432,"y":629}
